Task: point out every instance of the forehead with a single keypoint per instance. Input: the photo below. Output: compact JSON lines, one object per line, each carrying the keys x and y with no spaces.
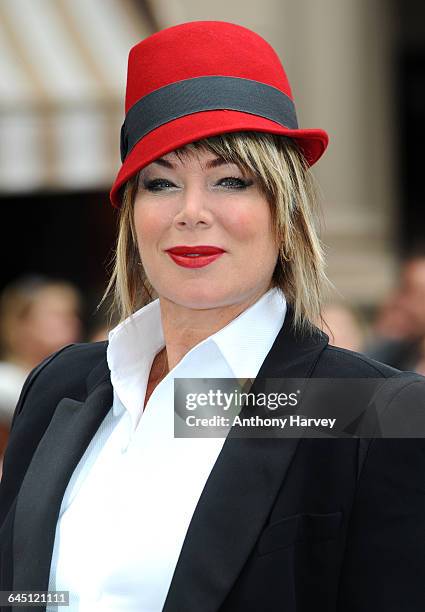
{"x":190,"y":157}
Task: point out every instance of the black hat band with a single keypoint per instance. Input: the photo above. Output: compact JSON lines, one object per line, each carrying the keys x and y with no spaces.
{"x":204,"y":94}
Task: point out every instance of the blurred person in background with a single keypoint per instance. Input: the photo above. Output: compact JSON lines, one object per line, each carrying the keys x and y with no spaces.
{"x":38,"y":316}
{"x":399,"y":329}
{"x":218,"y":274}
{"x":343,"y":326}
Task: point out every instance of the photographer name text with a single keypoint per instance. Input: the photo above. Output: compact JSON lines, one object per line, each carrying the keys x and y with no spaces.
{"x":258,"y":421}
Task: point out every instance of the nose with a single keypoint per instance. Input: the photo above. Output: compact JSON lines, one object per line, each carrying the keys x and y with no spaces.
{"x":194,"y":211}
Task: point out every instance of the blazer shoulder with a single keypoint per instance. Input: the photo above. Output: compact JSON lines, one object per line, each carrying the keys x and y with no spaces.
{"x":343,"y":363}
{"x":400,"y":394}
{"x":81,"y":355}
{"x":65,"y":373}
{"x":75,"y":359}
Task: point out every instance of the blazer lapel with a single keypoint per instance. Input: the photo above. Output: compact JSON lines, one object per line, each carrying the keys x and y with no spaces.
{"x":240,"y":491}
{"x":70,"y":430}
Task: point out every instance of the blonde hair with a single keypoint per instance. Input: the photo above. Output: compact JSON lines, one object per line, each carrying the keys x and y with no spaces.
{"x":289,"y":187}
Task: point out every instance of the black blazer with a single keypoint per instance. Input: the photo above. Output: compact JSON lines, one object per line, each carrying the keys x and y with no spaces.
{"x":292,"y":525}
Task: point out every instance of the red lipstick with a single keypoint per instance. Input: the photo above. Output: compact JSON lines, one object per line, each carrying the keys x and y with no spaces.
{"x":194,"y":256}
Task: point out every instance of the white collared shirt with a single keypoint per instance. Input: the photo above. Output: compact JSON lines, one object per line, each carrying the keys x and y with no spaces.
{"x":129,"y":502}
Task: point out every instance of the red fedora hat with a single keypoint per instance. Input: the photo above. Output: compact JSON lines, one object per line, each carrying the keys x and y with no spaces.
{"x":200,"y":79}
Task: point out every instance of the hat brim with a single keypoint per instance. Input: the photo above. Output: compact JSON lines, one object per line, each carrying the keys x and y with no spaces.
{"x":197,"y":126}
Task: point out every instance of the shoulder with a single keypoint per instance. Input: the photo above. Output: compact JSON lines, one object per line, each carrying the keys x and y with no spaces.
{"x":74,"y":359}
{"x":342,"y":363}
{"x":403,"y":392}
{"x":80,"y":356}
{"x":65,"y":373}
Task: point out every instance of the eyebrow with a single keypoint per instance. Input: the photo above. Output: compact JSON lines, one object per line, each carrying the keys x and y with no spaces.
{"x":213,"y":163}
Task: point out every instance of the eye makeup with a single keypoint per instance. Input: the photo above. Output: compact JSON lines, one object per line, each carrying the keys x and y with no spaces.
{"x":232,"y":183}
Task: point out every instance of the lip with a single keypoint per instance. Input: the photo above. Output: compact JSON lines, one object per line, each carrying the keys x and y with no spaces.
{"x":198,"y":249}
{"x":196,"y":256}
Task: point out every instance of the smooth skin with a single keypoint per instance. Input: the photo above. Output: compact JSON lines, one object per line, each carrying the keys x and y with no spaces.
{"x":198,"y":199}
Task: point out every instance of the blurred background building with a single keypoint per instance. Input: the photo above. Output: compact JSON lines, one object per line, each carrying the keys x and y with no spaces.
{"x":357,"y":69}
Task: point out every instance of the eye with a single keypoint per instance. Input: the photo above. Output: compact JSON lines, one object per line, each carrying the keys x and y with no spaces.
{"x":158,"y":184}
{"x":232,"y":182}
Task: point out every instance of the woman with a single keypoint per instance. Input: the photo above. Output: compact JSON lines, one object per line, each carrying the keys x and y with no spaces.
{"x":38,"y":316}
{"x":216,"y":219}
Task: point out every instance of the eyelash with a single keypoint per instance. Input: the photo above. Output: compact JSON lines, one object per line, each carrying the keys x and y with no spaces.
{"x":156,"y":185}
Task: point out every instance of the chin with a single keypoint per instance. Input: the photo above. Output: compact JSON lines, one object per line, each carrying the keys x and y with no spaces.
{"x":198,"y":302}
{"x":200,"y":298}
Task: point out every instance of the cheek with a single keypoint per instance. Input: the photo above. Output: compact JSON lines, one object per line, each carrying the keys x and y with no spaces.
{"x":250,"y":225}
{"x":148,"y":224}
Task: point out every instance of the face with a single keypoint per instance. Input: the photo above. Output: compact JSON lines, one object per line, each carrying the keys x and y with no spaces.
{"x":53,"y":320}
{"x":204,"y":231}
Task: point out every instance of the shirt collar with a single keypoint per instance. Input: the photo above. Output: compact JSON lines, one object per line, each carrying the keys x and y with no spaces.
{"x":243,"y":343}
{"x":136,"y":340}
{"x":246,"y":340}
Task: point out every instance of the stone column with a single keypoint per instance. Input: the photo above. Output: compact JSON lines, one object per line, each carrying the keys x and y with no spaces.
{"x":342,"y":78}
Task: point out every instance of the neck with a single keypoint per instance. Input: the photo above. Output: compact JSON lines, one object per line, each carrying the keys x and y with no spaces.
{"x":185,"y":327}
